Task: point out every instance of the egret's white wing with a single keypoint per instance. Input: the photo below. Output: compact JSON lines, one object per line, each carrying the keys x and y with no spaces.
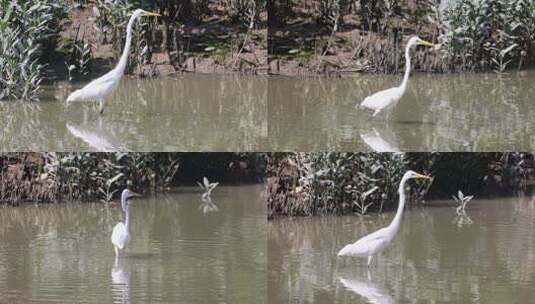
{"x":382,"y":99}
{"x":213,"y":185}
{"x":367,"y":245}
{"x":201,"y":185}
{"x":373,"y":293}
{"x":206,"y":182}
{"x":96,"y":90}
{"x":119,"y":236}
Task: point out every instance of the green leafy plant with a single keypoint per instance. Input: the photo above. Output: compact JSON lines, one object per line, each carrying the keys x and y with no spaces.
{"x":28,"y":30}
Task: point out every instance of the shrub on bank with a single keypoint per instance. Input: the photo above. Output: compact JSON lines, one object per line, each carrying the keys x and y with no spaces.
{"x":346,"y":183}
{"x":336,"y":183}
{"x":491,"y":34}
{"x":52,"y":177}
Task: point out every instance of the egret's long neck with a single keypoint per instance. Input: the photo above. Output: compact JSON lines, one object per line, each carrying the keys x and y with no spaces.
{"x":407,"y":66}
{"x":397,"y":219}
{"x":121,"y":66}
{"x":127,"y":217}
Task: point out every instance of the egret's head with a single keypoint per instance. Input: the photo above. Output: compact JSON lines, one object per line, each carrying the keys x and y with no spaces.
{"x":139,"y":12}
{"x":415,"y":40}
{"x":411,"y":174}
{"x":126,"y":196}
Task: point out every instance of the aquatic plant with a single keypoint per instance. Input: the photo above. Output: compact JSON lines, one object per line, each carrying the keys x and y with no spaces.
{"x":207,"y":187}
{"x":461,"y":201}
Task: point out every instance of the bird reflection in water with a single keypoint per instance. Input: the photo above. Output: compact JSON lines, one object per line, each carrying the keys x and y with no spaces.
{"x":380,"y":141}
{"x":96,"y":135}
{"x":120,"y":282}
{"x":366,"y":288}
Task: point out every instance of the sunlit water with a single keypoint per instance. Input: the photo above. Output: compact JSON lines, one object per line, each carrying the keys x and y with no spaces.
{"x":457,"y":112}
{"x":187,"y":113}
{"x":436,"y":257}
{"x":180,"y":251}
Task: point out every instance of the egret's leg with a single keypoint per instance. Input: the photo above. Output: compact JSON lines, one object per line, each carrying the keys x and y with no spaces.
{"x":101,"y":109}
{"x":375,"y":113}
{"x":370,"y":257}
{"x":116,"y":251}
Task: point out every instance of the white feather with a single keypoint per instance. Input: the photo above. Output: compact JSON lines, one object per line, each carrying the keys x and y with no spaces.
{"x":383,"y":99}
{"x":119,"y":236}
{"x":369,"y":245}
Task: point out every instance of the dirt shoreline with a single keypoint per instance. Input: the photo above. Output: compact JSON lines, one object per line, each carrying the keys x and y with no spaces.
{"x":216,"y":29}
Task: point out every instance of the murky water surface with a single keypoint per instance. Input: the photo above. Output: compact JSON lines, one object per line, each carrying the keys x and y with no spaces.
{"x":437,"y":257}
{"x":182,"y":250}
{"x":187,"y":113}
{"x":457,"y":112}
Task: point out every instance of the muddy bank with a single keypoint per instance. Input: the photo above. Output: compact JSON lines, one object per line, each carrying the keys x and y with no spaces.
{"x":338,"y":38}
{"x":209,"y":42}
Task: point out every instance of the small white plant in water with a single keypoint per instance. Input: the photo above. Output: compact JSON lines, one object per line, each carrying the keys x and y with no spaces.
{"x":461,"y":200}
{"x":207,"y":205}
{"x":462,"y":218}
{"x":207,"y":187}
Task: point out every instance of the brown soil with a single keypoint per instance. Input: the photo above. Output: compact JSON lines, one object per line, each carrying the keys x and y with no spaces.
{"x":302,"y":46}
{"x":230,"y":35}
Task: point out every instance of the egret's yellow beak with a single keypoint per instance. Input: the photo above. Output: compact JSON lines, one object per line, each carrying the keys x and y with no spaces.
{"x":150,"y":14}
{"x":426,"y":43}
{"x":418,"y":175}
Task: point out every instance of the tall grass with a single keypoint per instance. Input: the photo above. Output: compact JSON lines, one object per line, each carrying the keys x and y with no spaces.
{"x":491,"y":34}
{"x":28,"y":32}
{"x":357,"y":183}
{"x":49,"y":177}
{"x":338,"y":183}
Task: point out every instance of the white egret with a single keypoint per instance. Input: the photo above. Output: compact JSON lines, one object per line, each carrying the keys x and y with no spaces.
{"x":100,"y":88}
{"x":387,"y":99}
{"x":207,"y":187}
{"x":120,"y":235}
{"x":377,"y":241}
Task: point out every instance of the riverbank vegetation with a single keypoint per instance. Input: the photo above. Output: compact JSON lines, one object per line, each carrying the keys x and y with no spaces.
{"x":347,"y":183}
{"x":338,"y":36}
{"x":54,"y":177}
{"x":28,"y":34}
{"x":78,"y":39}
